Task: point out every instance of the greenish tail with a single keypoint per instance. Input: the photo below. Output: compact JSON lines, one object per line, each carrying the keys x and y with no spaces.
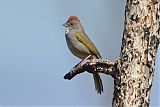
{"x":98,"y":83}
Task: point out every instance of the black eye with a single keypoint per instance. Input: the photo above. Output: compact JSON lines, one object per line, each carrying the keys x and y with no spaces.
{"x":71,"y":23}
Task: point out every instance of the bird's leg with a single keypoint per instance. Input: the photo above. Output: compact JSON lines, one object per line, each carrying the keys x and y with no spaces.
{"x":89,"y":56}
{"x":72,"y":73}
{"x":84,"y":60}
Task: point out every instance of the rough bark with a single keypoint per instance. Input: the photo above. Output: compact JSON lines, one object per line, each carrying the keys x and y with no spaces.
{"x":135,"y":68}
{"x":133,"y":72}
{"x":96,"y":65}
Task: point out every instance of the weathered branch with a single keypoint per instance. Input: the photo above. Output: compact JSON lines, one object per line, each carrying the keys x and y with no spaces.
{"x":93,"y":65}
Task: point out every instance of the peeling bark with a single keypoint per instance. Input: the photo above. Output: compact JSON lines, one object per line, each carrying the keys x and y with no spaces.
{"x":133,"y":72}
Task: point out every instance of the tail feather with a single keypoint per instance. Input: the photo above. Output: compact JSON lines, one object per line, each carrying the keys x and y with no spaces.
{"x":98,"y":83}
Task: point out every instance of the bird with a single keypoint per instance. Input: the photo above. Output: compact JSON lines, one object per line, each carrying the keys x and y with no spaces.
{"x":81,"y":46}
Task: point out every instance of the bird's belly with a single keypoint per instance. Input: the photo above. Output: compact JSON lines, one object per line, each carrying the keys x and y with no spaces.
{"x":78,"y":49}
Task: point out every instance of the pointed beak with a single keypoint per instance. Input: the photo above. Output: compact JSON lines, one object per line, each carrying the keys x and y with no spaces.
{"x":65,"y":25}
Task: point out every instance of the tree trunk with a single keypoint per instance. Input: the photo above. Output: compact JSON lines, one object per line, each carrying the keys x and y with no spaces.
{"x":133,"y":72}
{"x":135,"y":67}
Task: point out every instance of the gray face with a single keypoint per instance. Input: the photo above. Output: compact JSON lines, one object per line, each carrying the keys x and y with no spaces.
{"x":73,"y":25}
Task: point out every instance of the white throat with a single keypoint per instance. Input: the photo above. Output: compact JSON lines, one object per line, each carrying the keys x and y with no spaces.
{"x":67,"y":30}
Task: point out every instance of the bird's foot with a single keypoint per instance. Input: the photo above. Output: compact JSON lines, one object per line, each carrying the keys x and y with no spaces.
{"x":83,"y":61}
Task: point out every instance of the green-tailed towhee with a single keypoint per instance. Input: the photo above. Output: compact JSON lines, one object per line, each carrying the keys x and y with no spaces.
{"x":81,"y":46}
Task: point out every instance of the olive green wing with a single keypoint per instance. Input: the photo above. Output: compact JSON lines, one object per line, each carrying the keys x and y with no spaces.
{"x":84,"y":39}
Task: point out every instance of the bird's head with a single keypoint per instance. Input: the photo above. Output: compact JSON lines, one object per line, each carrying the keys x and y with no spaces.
{"x":73,"y":23}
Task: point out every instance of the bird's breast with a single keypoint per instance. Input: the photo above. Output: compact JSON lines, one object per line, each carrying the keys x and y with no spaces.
{"x":76,"y":47}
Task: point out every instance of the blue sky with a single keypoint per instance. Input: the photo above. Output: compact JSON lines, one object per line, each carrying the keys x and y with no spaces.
{"x":34,"y":55}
